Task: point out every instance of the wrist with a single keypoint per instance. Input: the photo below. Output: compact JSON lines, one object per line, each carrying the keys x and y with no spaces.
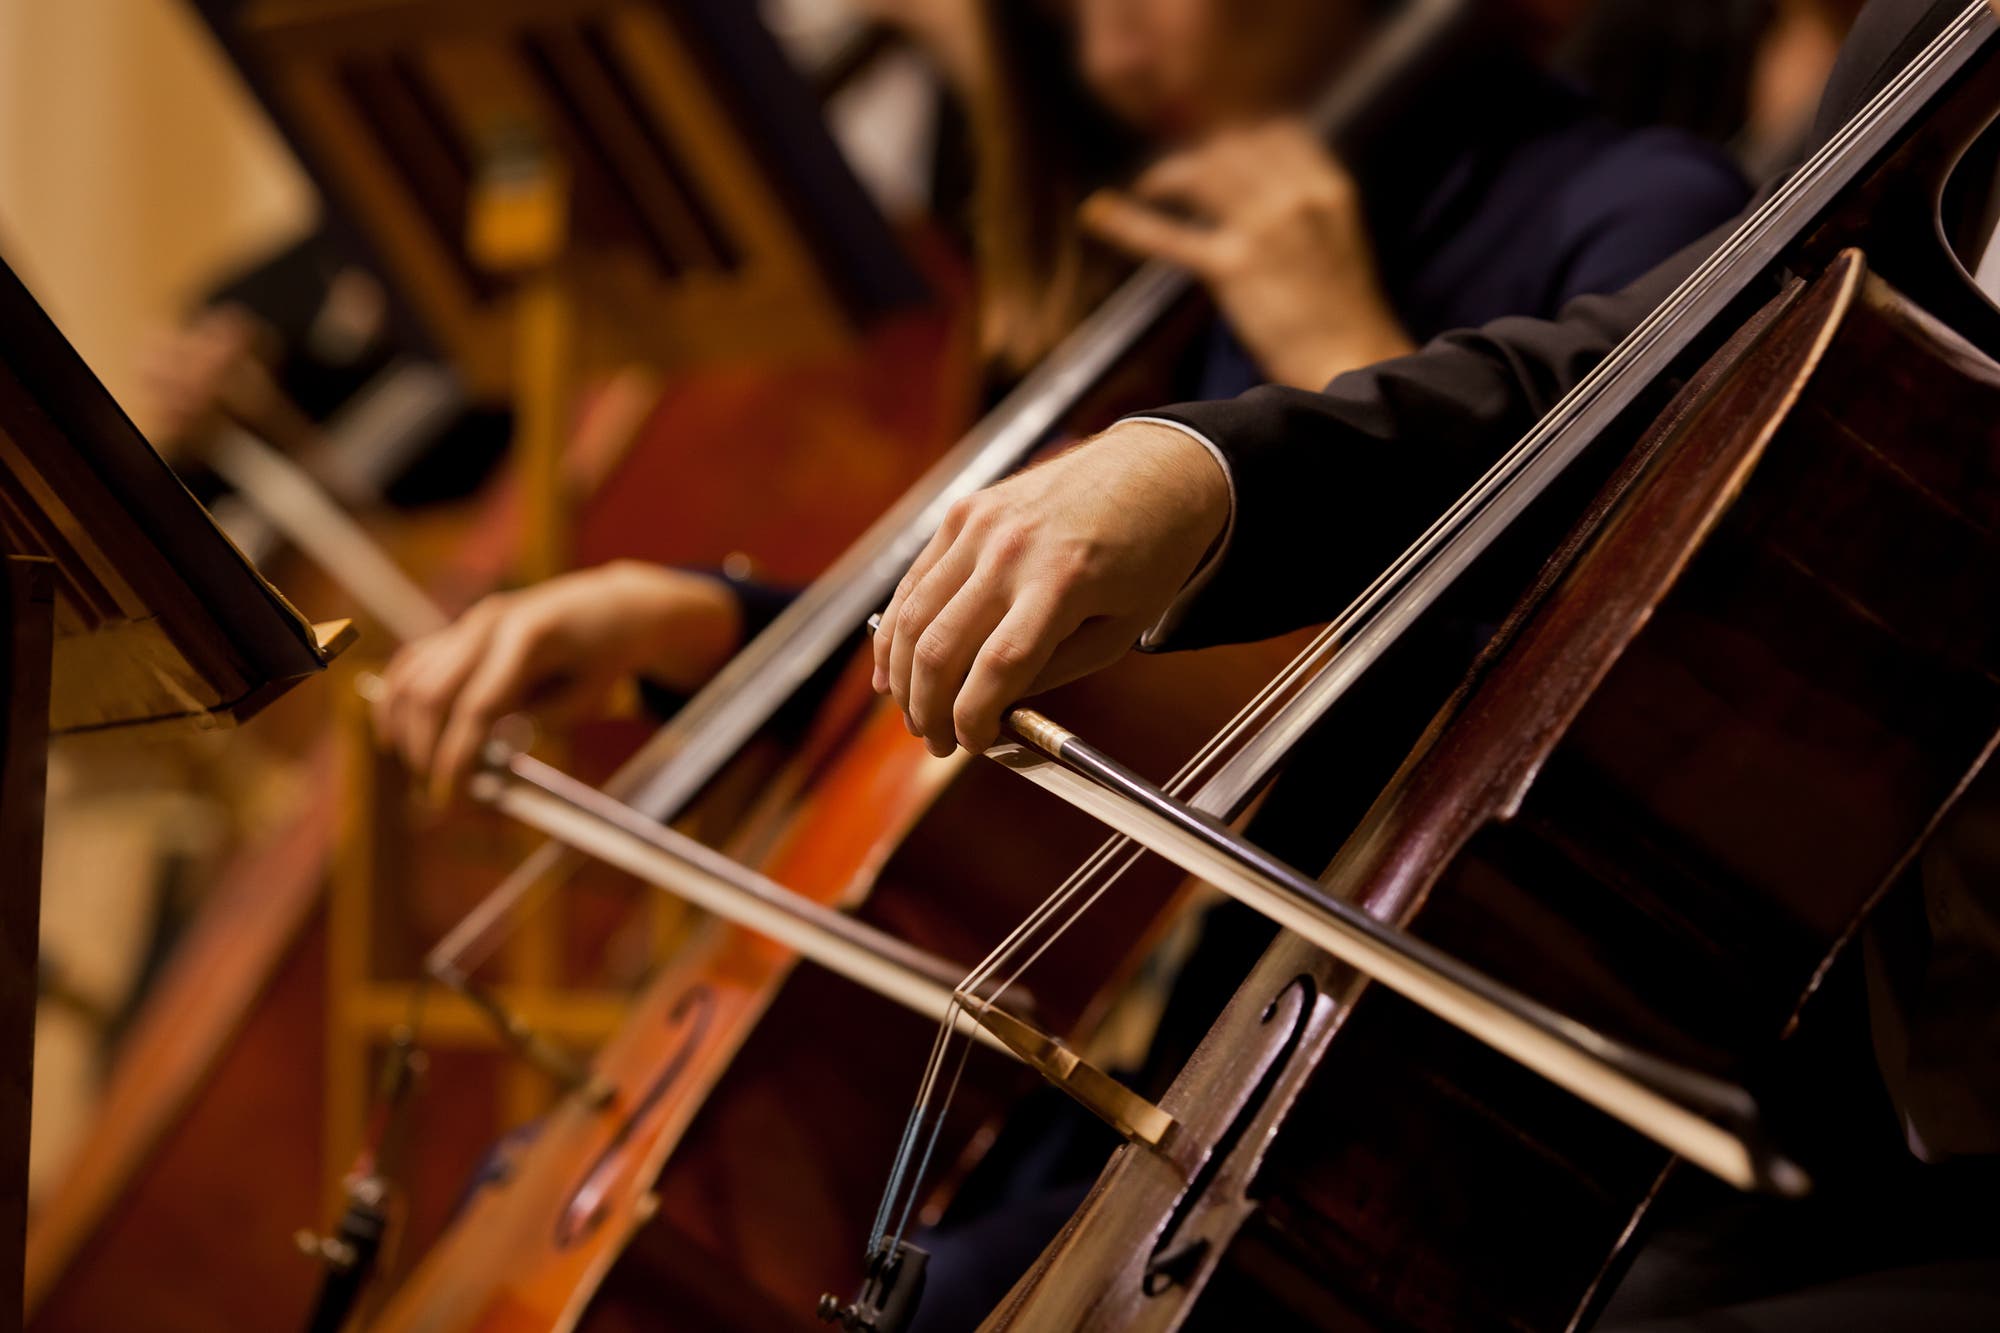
{"x":1192,"y":479}
{"x":690,"y":624}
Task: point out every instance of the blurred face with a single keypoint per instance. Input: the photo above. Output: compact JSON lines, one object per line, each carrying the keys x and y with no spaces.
{"x":1177,"y":69}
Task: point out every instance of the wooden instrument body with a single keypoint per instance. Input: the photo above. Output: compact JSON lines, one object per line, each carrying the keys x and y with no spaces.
{"x":721,"y":1200}
{"x":743,"y":1234}
{"x":757,"y":1102}
{"x":208,"y":1154}
{"x":1713,"y":737}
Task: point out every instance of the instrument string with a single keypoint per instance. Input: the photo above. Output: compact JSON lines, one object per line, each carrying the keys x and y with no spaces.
{"x":683,"y":755}
{"x":1037,"y":933}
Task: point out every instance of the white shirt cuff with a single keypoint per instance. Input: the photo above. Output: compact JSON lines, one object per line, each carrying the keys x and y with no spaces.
{"x":1171,"y":618}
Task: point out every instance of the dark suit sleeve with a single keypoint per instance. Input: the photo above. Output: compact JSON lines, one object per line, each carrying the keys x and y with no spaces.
{"x":762,"y":603}
{"x":1330,"y":486}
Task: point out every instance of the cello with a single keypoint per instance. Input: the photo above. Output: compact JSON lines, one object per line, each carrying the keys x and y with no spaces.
{"x":1713,"y":736}
{"x":648,"y":1182}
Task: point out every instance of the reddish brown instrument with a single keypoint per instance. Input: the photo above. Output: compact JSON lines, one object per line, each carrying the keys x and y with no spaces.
{"x":1674,"y":787}
{"x":699,"y":1187}
{"x":206,"y":1156}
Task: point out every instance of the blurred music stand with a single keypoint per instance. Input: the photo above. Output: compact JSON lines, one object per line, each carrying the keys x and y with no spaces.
{"x":125,"y":608}
{"x":710,"y":215}
{"x":566,"y":188}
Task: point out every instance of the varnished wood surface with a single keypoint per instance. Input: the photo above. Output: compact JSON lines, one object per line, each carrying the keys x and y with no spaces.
{"x":1664,"y":823}
{"x":720,"y":1199}
{"x":1666,"y":801}
{"x":158,"y":620}
{"x":139,"y":612}
{"x":27,"y":637}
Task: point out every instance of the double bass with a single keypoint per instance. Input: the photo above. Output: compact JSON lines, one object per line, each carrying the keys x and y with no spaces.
{"x":1620,"y":864}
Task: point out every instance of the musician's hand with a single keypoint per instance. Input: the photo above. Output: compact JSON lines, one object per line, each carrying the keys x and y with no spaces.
{"x":1272,"y":223}
{"x":1045,"y":577}
{"x":193,"y":375}
{"x":558,"y":649}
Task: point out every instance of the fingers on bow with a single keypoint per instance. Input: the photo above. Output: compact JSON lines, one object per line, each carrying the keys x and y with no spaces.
{"x":496,"y":686}
{"x":964,"y":638}
{"x":440,"y":695}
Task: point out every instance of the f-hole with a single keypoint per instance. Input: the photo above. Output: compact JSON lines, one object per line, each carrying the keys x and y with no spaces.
{"x":1172,"y":1263}
{"x":586,"y":1208}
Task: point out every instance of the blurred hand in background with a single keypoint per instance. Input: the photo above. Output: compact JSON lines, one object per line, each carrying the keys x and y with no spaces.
{"x":1271,"y":222}
{"x":558,"y":650}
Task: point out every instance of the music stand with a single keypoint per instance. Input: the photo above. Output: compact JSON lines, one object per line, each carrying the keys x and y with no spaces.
{"x":125,"y":608}
{"x":709,"y":212}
